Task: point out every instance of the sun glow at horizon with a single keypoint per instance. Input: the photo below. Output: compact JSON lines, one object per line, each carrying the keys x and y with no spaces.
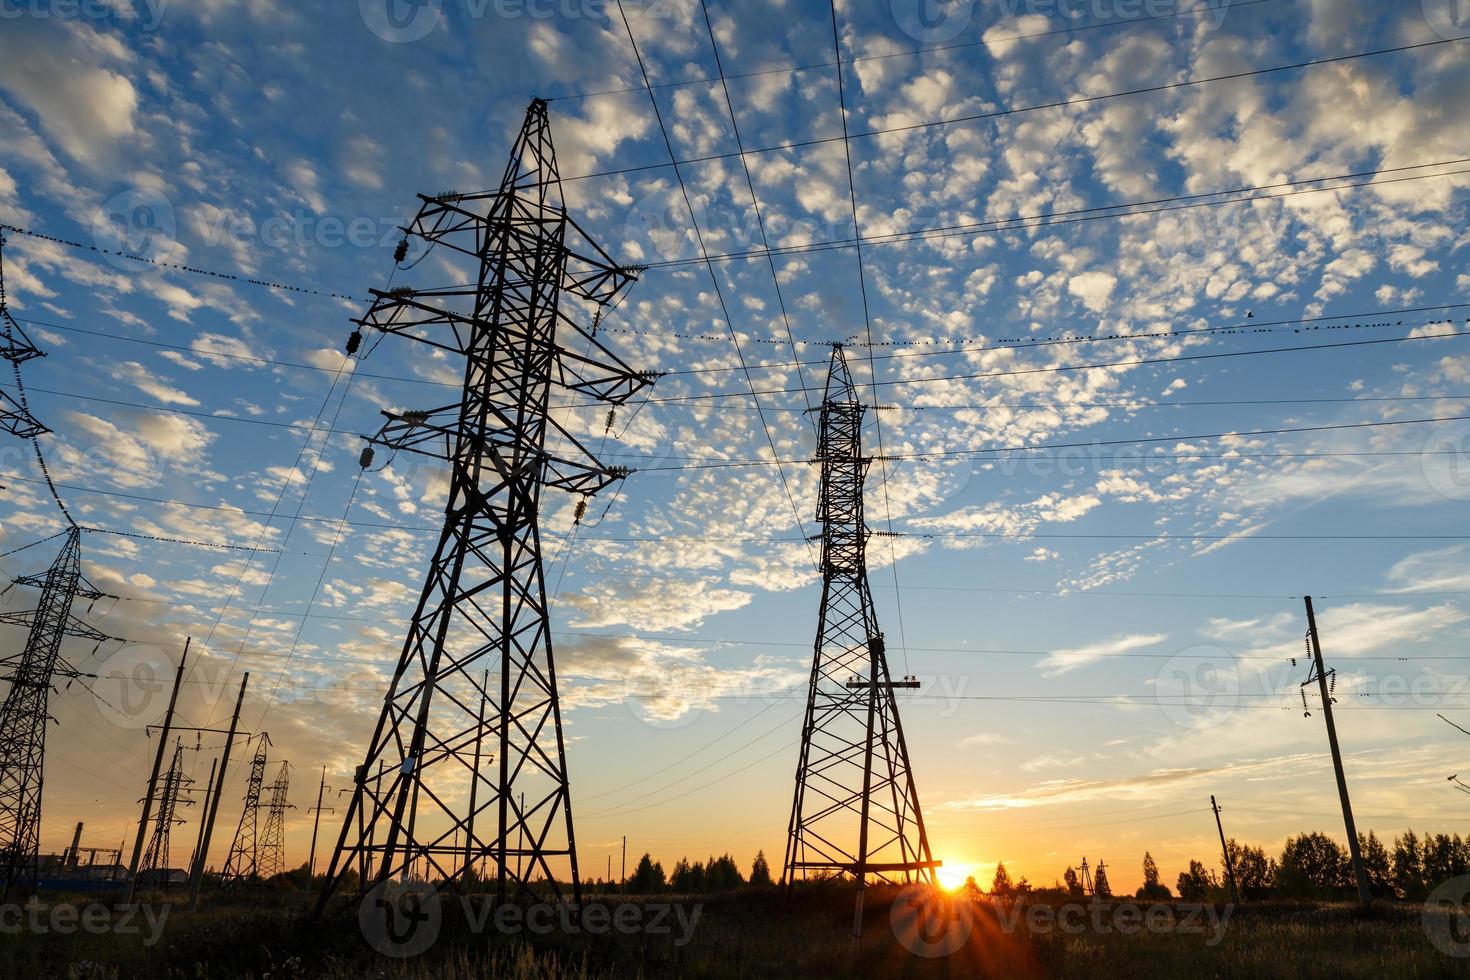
{"x":952,"y":876}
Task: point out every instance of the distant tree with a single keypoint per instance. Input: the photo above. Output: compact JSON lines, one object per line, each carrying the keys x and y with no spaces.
{"x":971,"y":890}
{"x":1312,"y":866}
{"x":648,"y":877}
{"x":1443,"y":859}
{"x":1073,"y":883}
{"x":1151,"y":889}
{"x":1377,"y":864}
{"x":1195,"y":884}
{"x":1023,"y":887}
{"x":1100,"y":886}
{"x":1408,"y":867}
{"x":681,"y":879}
{"x":1001,"y":885}
{"x":760,"y":871}
{"x":1254,"y":872}
{"x":722,"y":874}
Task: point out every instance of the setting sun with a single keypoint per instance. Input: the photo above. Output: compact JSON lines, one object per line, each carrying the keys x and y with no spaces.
{"x":952,"y":876}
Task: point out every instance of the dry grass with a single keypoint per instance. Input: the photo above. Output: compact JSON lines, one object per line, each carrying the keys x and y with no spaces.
{"x":266,"y":935}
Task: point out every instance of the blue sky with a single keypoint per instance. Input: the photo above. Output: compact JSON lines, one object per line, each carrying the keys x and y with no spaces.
{"x":257,"y":140}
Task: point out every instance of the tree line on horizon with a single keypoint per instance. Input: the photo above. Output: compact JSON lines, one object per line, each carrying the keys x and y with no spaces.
{"x":1311,"y":865}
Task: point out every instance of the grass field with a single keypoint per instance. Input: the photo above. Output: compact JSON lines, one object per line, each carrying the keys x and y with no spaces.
{"x":267,"y":935}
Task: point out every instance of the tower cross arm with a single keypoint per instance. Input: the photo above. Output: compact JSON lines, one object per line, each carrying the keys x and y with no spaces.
{"x":17,"y":420}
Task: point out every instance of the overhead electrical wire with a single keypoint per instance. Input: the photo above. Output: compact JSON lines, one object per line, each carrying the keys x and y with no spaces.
{"x":911,"y":52}
{"x":857,"y":230}
{"x":755,"y":200}
{"x":1018,"y":110}
{"x":714,"y":279}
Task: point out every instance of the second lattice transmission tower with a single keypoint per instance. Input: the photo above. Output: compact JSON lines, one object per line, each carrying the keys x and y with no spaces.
{"x":243,"y":862}
{"x":856,"y":811}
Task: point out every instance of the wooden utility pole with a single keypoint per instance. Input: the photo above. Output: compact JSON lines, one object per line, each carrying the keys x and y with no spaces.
{"x":315,"y":822}
{"x":624,"y":882}
{"x":168,"y":720}
{"x":206,"y":829}
{"x":1225,"y":852}
{"x":1364,"y":893}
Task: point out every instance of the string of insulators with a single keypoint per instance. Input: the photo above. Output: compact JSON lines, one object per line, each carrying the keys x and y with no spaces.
{"x":354,"y":342}
{"x":596,"y":319}
{"x":612,"y":416}
{"x":401,"y":252}
{"x":581,"y":511}
{"x":1306,"y":712}
{"x":366,"y":459}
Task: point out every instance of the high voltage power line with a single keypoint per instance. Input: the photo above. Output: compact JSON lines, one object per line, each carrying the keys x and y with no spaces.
{"x":910,"y":52}
{"x":1017,"y":110}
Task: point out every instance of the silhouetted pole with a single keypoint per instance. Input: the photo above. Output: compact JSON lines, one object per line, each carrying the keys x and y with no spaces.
{"x":1364,"y":894}
{"x":316,"y":822}
{"x":201,"y":855}
{"x":168,"y":720}
{"x":1224,"y":850}
{"x":204,"y":808}
{"x":624,"y":881}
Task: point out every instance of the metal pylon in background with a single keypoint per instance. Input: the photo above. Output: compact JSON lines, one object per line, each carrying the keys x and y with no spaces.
{"x":243,"y":862}
{"x":451,"y":754}
{"x":24,"y":714}
{"x":15,"y":347}
{"x":856,"y":811}
{"x":175,"y":793}
{"x":273,"y":839}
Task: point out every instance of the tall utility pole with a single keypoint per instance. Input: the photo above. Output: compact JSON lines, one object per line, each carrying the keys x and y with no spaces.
{"x":175,"y":790}
{"x":624,"y":878}
{"x":168,"y":721}
{"x":856,"y":810}
{"x":15,"y":347}
{"x":243,"y":862}
{"x":484,"y":600}
{"x":1365,"y":894}
{"x":315,"y":823}
{"x":273,"y":839}
{"x":206,"y":826}
{"x":1225,"y":851}
{"x":24,"y":713}
{"x":1086,"y":877}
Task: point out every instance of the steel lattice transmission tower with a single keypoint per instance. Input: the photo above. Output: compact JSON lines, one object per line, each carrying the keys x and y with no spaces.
{"x":451,"y":754}
{"x":856,"y":811}
{"x":15,"y":347}
{"x":24,"y":713}
{"x":176,"y":789}
{"x":243,"y":862}
{"x":273,"y":839}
